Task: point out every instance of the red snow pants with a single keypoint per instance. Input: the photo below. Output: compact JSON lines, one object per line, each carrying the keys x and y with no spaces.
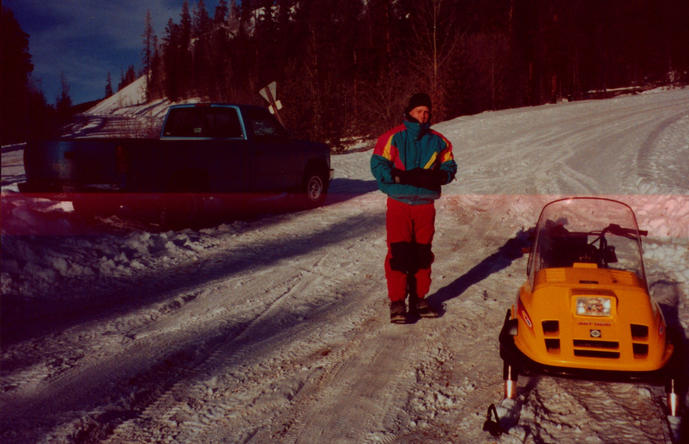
{"x":410,"y":230}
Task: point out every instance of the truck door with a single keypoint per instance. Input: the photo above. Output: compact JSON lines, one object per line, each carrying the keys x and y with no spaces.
{"x":210,"y":143}
{"x":276,"y":166}
{"x":229,"y":164}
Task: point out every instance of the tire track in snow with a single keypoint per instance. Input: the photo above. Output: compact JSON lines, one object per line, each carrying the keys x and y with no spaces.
{"x":232,"y":379}
{"x":226,"y":352}
{"x":564,"y":144}
{"x":124,"y":362}
{"x":654,"y":161}
{"x":356,"y":395}
{"x":554,"y":408}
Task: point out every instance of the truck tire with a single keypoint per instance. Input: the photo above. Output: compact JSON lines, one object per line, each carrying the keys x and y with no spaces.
{"x":314,"y":188}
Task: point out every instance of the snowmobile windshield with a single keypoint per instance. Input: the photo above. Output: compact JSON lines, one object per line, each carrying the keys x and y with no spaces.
{"x":587,"y":230}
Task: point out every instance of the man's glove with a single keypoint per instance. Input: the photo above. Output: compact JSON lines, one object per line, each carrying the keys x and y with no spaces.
{"x":430,"y":179}
{"x":399,"y":176}
{"x":419,"y":177}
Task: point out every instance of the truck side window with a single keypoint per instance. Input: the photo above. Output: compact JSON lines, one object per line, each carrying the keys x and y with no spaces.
{"x":224,"y":123}
{"x":263,"y":124}
{"x":183,"y":122}
{"x":204,"y":122}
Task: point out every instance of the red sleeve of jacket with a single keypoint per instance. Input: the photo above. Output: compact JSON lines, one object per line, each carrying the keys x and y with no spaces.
{"x":385,"y":147}
{"x":446,"y":154}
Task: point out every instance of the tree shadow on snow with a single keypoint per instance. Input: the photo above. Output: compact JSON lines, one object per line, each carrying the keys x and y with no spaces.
{"x":512,"y":250}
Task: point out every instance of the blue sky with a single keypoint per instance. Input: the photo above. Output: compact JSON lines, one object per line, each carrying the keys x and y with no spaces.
{"x":86,"y":39}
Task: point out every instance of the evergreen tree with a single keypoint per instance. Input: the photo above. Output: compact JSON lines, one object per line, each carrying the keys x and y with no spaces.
{"x":147,"y":53}
{"x":108,"y":86}
{"x":15,"y":68}
{"x":220,"y":70}
{"x":202,"y":30}
{"x":220,"y":15}
{"x":170,"y":51}
{"x":63,"y":103}
{"x":184,"y":67}
{"x":127,"y":78}
{"x":155,"y":86}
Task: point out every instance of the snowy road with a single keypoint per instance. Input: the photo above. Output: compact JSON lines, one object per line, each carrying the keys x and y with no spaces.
{"x":274,"y":328}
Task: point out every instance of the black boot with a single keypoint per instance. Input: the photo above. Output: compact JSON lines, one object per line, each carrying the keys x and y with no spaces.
{"x":398,"y":312}
{"x":424,"y":309}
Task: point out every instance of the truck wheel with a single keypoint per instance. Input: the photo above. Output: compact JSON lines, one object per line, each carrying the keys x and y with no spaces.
{"x":314,"y":188}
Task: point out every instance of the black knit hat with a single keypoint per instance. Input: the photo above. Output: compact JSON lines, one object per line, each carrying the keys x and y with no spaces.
{"x":418,"y":99}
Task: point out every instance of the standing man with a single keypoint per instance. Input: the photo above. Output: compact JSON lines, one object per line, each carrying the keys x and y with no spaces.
{"x":410,"y":163}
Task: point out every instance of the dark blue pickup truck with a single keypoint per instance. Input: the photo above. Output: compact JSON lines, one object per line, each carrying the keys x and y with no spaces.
{"x":203,"y":150}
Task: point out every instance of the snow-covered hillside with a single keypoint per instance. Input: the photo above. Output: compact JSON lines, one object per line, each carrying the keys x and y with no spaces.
{"x":274,"y":327}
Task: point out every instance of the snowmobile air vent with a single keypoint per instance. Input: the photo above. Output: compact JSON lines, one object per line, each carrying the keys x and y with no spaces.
{"x":550,"y":327}
{"x":596,"y":354}
{"x":639,"y":331}
{"x":640,"y":350}
{"x":552,"y":345}
{"x":595,"y":344}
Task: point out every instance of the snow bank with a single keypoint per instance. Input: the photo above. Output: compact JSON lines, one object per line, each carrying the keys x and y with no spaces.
{"x":130,"y":95}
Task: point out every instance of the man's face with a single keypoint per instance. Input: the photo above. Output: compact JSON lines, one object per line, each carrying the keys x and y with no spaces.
{"x":421,"y":113}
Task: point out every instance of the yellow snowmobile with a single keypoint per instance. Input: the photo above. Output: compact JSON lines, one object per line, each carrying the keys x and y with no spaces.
{"x":585,"y":307}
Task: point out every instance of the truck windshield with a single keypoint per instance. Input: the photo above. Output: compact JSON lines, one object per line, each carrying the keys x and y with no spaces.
{"x":213,"y":122}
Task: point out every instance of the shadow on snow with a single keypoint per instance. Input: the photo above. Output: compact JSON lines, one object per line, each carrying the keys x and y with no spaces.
{"x":501,"y":259}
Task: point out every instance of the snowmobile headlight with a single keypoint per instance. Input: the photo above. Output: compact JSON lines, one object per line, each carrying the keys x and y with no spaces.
{"x":593,"y":306}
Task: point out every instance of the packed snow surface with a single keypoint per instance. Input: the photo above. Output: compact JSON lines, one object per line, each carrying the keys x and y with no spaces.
{"x":273,"y":327}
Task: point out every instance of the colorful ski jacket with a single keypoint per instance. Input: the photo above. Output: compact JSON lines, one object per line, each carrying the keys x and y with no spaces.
{"x":406,"y":147}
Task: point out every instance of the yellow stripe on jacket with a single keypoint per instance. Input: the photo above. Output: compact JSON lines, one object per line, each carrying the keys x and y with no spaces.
{"x":388,"y":148}
{"x":431,"y":161}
